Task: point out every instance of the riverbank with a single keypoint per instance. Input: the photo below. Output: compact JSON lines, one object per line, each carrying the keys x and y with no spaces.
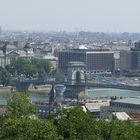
{"x":5,"y":89}
{"x":40,"y":88}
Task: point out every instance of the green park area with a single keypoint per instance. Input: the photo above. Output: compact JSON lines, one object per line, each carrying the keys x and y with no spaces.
{"x":20,"y":120}
{"x":29,"y":69}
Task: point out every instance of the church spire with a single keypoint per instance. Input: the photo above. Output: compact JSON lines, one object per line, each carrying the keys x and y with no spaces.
{"x":52,"y":98}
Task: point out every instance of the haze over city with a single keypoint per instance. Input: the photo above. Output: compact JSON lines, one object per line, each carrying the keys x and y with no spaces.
{"x":70,"y":15}
{"x":69,"y":69}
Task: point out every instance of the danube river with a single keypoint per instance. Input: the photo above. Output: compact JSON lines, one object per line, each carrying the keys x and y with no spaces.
{"x":109,"y":92}
{"x":92,"y":93}
{"x":35,"y":96}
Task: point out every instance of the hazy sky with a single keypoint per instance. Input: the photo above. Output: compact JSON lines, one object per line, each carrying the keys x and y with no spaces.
{"x":71,"y":15}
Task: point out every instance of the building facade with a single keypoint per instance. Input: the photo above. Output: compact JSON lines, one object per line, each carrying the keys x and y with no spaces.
{"x":100,"y":61}
{"x":130,"y":59}
{"x":129,"y":105}
{"x":95,"y":60}
{"x":66,"y":56}
{"x":125,"y":60}
{"x":9,"y":53}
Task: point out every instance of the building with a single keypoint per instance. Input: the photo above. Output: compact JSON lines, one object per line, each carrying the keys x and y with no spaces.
{"x":129,"y":105}
{"x":125,"y":60}
{"x":9,"y":53}
{"x":95,"y":106}
{"x":100,"y":61}
{"x":117,"y":61}
{"x":135,"y":57}
{"x":122,"y":116}
{"x":66,"y":56}
{"x":130,"y":59}
{"x":95,"y":60}
{"x":45,"y":51}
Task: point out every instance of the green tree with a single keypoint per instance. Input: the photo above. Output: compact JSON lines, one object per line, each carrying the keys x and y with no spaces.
{"x":123,"y":130}
{"x":17,"y":67}
{"x":75,"y":124}
{"x":29,"y":68}
{"x":59,"y":76}
{"x":44,"y":64}
{"x":18,"y":124}
{"x":103,"y":130}
{"x":5,"y":77}
{"x":27,"y":129}
{"x":19,"y":105}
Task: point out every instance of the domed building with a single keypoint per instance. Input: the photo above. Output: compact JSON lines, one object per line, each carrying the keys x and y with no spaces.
{"x":9,"y":52}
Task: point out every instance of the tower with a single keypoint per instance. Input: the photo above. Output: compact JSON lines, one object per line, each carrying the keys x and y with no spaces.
{"x":52,"y":99}
{"x":76,"y":72}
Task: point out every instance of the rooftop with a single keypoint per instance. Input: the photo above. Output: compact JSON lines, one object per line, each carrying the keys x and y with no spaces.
{"x":131,"y":100}
{"x":100,"y":52}
{"x":122,"y":115}
{"x":75,"y":50}
{"x":96,"y":105}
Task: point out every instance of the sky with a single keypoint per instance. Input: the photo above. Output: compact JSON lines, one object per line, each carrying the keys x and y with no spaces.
{"x":71,"y":15}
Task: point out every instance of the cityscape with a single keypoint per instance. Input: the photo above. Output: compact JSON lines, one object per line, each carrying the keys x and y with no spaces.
{"x":64,"y":84}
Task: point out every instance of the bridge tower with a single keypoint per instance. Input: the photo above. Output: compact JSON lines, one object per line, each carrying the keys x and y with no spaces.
{"x":76,"y":72}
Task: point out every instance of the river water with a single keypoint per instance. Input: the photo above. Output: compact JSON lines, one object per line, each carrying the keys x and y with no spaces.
{"x":92,"y":93}
{"x":106,"y":92}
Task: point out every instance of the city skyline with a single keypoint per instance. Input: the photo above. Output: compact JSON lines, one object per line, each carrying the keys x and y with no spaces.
{"x":70,"y":15}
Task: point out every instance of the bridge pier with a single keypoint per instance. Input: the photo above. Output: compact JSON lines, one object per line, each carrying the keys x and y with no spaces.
{"x":22,"y":86}
{"x":73,"y":91}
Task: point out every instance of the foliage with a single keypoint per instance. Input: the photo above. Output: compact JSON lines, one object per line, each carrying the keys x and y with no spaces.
{"x":27,"y":129}
{"x":19,"y":105}
{"x":4,"y":76}
{"x":66,"y":124}
{"x":59,"y":76}
{"x":18,"y":124}
{"x":37,"y":68}
{"x":75,"y":124}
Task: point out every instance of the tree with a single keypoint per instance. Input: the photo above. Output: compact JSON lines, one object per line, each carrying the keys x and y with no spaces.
{"x":27,"y":129}
{"x":124,"y":130}
{"x":103,"y":130}
{"x":4,"y":76}
{"x":67,"y":124}
{"x":29,"y":68}
{"x":18,"y":123}
{"x":19,"y":105}
{"x":42,"y":74}
{"x":44,"y":64}
{"x":74,"y":123}
{"x":59,"y":76}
